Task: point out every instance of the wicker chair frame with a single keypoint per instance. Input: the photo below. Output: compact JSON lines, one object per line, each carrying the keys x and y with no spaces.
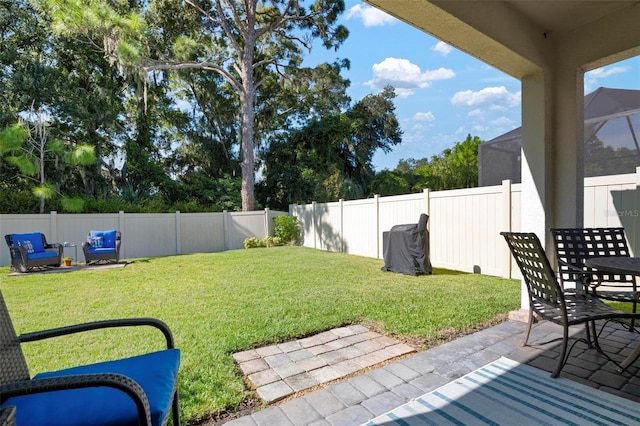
{"x":575,"y":245}
{"x":547,"y":298}
{"x":15,"y":379}
{"x":20,"y":262}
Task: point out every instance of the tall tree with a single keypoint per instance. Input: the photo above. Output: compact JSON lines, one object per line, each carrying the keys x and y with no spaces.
{"x":242,"y":40}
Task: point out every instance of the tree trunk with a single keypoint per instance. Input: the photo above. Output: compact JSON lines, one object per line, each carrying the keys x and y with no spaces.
{"x":247,"y":100}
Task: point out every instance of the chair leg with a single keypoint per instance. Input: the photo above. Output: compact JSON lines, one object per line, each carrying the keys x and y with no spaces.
{"x":175,"y":409}
{"x":563,"y":351}
{"x":528,"y":331}
{"x":633,"y":320}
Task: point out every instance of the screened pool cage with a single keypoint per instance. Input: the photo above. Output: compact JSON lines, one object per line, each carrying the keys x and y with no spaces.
{"x":611,"y":140}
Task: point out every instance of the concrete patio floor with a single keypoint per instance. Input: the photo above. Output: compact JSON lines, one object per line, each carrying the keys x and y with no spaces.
{"x":362,"y":397}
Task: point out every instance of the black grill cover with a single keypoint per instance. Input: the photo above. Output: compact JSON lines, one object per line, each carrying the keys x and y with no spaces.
{"x":406,"y":248}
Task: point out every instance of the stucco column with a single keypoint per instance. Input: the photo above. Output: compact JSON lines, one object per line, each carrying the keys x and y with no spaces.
{"x":537,"y":108}
{"x":568,"y":155}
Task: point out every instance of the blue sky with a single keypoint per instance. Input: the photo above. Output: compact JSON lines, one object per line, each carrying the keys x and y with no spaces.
{"x":443,"y":94}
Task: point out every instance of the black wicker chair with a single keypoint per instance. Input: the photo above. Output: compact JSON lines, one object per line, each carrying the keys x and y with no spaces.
{"x":29,"y":251}
{"x":547,"y":299}
{"x":575,"y":245}
{"x":139,"y":390}
{"x":107,"y":251}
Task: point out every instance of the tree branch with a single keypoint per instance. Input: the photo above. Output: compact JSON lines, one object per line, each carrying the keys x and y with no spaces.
{"x":208,"y":66}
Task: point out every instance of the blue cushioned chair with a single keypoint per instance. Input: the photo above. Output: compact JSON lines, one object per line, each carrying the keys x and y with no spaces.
{"x":31,"y":250}
{"x":139,"y":390}
{"x":102,"y":246}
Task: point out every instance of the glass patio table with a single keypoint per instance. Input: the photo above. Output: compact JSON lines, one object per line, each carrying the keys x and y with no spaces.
{"x":625,"y":266}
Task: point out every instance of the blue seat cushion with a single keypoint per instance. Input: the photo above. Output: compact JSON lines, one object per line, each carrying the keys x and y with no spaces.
{"x":155,"y":372}
{"x":42,"y":255}
{"x":31,"y":242}
{"x":101,"y":250}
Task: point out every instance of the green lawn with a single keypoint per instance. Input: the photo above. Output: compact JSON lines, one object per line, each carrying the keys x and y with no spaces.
{"x":220,"y":303}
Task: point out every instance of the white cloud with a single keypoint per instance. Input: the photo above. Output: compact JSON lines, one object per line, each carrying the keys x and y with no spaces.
{"x":492,"y":97}
{"x":405,"y":76}
{"x":501,"y":122}
{"x":424,"y":116}
{"x":370,"y":16}
{"x":591,"y":78}
{"x":605,"y":72}
{"x":443,"y":48}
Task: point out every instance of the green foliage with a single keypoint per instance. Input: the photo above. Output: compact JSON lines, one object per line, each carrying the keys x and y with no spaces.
{"x":72,"y":205}
{"x":287,"y":228}
{"x":454,"y":168}
{"x":17,"y":201}
{"x":12,"y":137}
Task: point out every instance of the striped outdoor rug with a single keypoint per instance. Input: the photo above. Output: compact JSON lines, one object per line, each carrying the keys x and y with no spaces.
{"x":506,"y":392}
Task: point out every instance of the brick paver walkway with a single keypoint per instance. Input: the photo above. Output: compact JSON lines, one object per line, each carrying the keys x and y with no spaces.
{"x":278,"y":371}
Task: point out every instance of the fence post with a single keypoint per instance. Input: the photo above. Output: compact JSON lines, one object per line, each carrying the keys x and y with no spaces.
{"x":341,"y":202}
{"x":225,"y":229}
{"x":427,"y":210}
{"x":53,"y":225}
{"x":266,"y":222}
{"x":314,"y":224}
{"x":123,"y":233}
{"x":376,"y":206}
{"x":506,"y":225}
{"x":178,"y":234}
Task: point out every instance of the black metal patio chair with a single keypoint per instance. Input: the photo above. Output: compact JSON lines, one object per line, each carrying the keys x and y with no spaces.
{"x":547,"y":298}
{"x":139,"y":390}
{"x":575,"y":245}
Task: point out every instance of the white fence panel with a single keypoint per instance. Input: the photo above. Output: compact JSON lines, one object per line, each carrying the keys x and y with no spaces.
{"x":359,"y":219}
{"x":465,"y":229}
{"x":201,"y":232}
{"x":305,"y":216}
{"x":150,"y":235}
{"x":329,"y":223}
{"x":243,"y":225}
{"x":613,"y":201}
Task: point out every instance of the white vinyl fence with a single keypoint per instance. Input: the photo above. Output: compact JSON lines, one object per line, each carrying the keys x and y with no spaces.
{"x":144,"y":234}
{"x":464,"y":224}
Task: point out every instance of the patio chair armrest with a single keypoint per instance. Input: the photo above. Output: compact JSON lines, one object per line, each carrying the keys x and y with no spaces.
{"x":52,"y":384}
{"x":96,"y":325}
{"x":21,"y":252}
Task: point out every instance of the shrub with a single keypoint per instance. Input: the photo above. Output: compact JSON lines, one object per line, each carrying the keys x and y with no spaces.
{"x":252,"y":242}
{"x":287,"y":229}
{"x":270,"y":241}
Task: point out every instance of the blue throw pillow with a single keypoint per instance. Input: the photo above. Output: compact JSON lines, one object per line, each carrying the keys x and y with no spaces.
{"x":31,"y":242}
{"x":26,"y":244}
{"x":102,"y":239}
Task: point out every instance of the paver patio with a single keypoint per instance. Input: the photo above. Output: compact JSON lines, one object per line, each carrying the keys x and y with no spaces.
{"x":362,"y":397}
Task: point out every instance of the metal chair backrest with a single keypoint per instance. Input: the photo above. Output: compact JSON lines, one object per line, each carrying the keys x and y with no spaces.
{"x":575,"y":245}
{"x":14,"y":365}
{"x":537,"y":272}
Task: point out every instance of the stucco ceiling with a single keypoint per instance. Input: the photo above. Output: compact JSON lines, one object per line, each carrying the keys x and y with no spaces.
{"x":566,"y":15}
